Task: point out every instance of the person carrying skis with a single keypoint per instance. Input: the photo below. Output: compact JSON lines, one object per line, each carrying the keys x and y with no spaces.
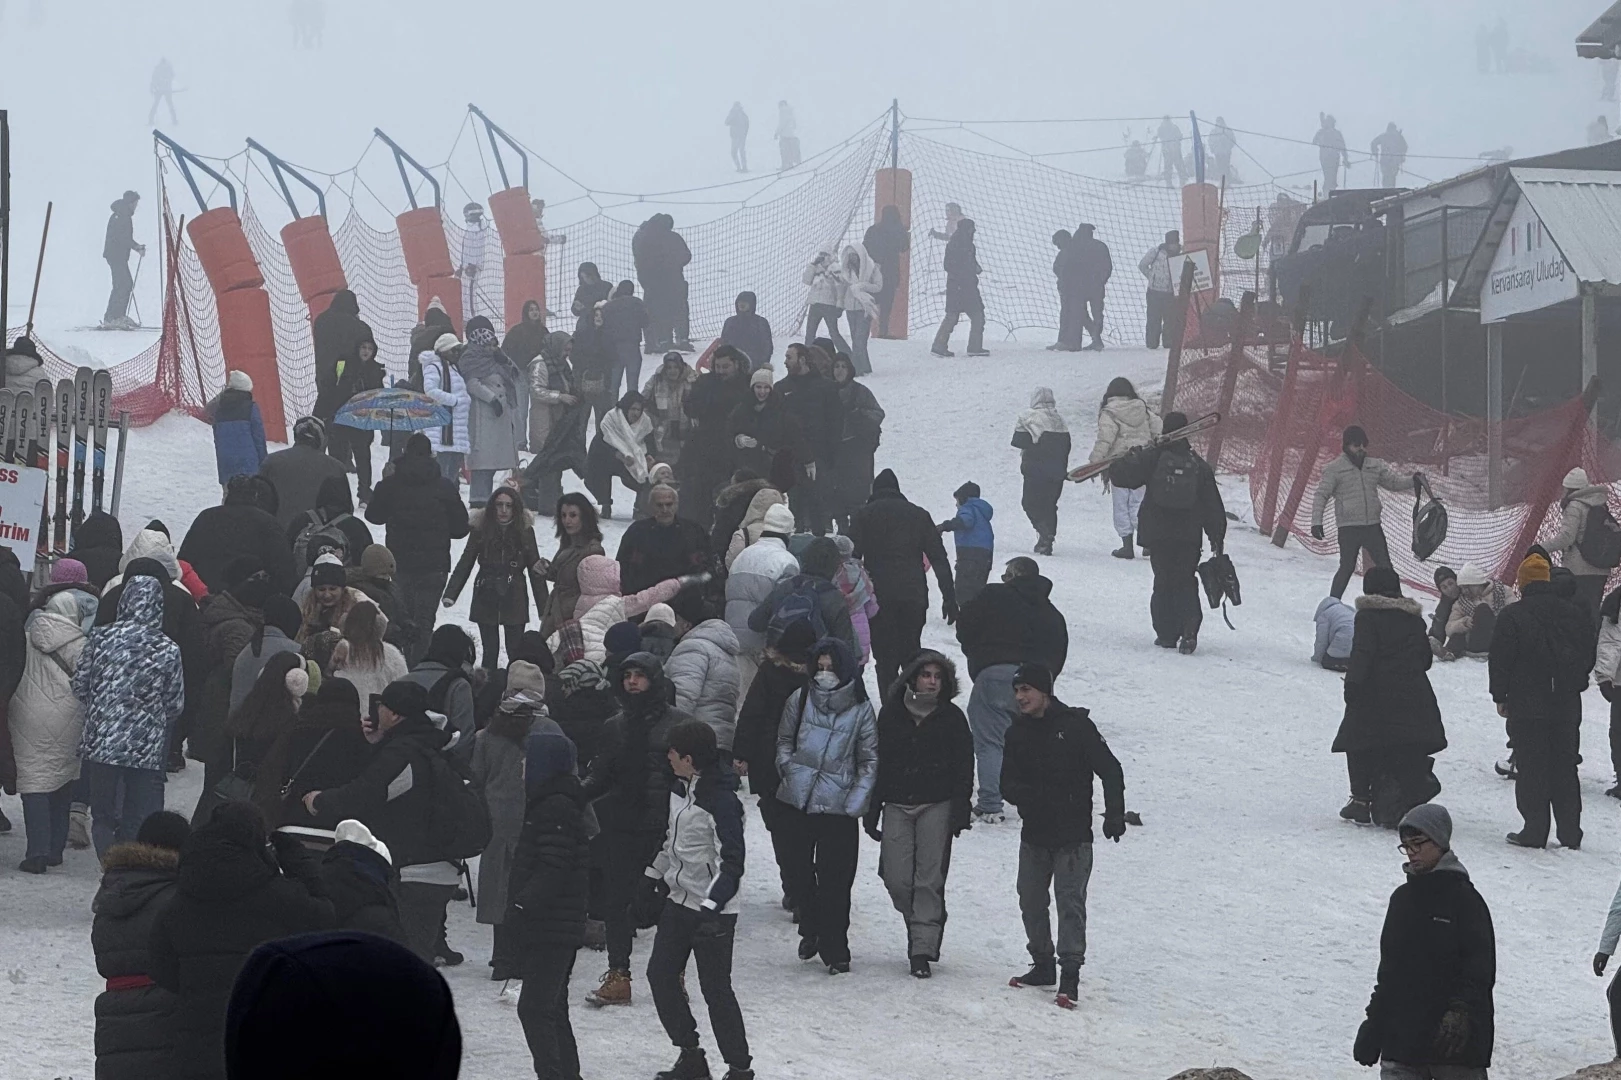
{"x":1124,"y":424}
{"x":1353,"y":481}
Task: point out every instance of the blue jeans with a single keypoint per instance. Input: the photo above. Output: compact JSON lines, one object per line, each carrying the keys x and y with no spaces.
{"x":991,"y":709}
{"x":45,"y":817}
{"x":482,"y":486}
{"x":121,"y":799}
{"x":860,"y":330}
{"x":450,"y":464}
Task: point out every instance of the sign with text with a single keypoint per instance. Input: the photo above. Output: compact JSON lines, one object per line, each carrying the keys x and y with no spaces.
{"x":1527,"y":273}
{"x":22,"y":493}
{"x":1200,"y":258}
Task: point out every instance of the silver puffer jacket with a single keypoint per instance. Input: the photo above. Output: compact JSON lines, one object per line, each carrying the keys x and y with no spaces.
{"x":827,"y":754}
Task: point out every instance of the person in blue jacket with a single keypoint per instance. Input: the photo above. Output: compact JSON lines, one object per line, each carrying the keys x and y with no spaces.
{"x":976,"y":540}
{"x":239,"y":429}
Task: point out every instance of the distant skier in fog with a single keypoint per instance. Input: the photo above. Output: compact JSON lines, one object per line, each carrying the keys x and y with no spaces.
{"x":737,"y":122}
{"x":1170,"y":150}
{"x":1222,"y":145}
{"x":1136,"y":162}
{"x":1330,"y":152}
{"x":162,"y":91}
{"x":1599,"y":130}
{"x":1390,"y":154}
{"x":120,"y":241}
{"x":309,"y":22}
{"x":787,"y":135}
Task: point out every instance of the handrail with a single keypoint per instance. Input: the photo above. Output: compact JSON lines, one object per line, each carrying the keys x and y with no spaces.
{"x":493,"y":130}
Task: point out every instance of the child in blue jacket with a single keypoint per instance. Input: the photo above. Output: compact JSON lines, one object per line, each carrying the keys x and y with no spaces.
{"x":976,"y":541}
{"x":239,"y":429}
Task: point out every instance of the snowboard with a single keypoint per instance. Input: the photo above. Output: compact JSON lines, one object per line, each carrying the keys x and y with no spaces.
{"x":1194,"y":427}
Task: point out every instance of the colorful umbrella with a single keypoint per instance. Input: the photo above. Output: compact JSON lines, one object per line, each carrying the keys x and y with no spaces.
{"x":392,"y":409}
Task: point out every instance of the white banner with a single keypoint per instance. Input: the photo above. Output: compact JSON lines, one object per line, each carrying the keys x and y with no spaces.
{"x":22,"y":493}
{"x":1527,"y":272}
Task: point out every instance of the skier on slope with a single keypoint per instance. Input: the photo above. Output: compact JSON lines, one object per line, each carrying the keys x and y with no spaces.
{"x":737,"y":122}
{"x":1390,"y":154}
{"x":116,"y":248}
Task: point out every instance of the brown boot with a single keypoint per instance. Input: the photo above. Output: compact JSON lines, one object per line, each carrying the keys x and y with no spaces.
{"x":614,"y":990}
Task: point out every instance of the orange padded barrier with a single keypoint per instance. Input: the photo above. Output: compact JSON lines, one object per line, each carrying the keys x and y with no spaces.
{"x":223,"y":250}
{"x":525,"y":280}
{"x":427,"y":252}
{"x":313,"y":258}
{"x":893,"y":187}
{"x":515,"y":222}
{"x":248,"y":341}
{"x":1201,"y":228}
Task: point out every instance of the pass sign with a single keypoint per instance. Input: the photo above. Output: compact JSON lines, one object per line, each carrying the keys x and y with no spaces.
{"x":22,"y":494}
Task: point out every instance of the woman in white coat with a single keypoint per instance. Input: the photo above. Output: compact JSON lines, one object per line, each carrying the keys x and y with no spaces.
{"x":46,"y":722}
{"x":825,"y":299}
{"x":442,"y":381}
{"x":1125,"y":422}
{"x":862,"y":282}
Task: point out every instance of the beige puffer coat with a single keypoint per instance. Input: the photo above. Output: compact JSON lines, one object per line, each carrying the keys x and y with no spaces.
{"x":1578,"y":504}
{"x":46,"y":719}
{"x":753,"y":522}
{"x":1124,"y":424}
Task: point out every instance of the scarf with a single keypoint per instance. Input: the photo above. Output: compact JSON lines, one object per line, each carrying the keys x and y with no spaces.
{"x":628,"y":440}
{"x":483,"y":360}
{"x":582,"y":675}
{"x":1042,"y":416}
{"x":921,"y":705}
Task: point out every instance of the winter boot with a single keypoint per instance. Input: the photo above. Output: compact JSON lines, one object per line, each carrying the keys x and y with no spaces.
{"x":79,"y":827}
{"x":734,"y":1073}
{"x":1041,"y":973}
{"x":1044,"y":545}
{"x":1069,"y":988}
{"x":445,"y":956}
{"x":691,"y":1065}
{"x":615,"y":990}
{"x":942,"y":352}
{"x":34,"y":864}
{"x":1519,"y":839}
{"x":1125,"y":550}
{"x":841,"y":967}
{"x":920,"y":967}
{"x":607,"y":512}
{"x":979,"y":352}
{"x":1358,"y":810}
{"x":596,"y":934}
{"x":808,"y":947}
{"x":1189,"y":643}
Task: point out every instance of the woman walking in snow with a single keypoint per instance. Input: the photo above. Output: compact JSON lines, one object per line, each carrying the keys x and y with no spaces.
{"x":501,"y":541}
{"x":578,"y":536}
{"x":46,"y":722}
{"x":493,"y":383}
{"x":1042,"y":439}
{"x":1125,"y":422}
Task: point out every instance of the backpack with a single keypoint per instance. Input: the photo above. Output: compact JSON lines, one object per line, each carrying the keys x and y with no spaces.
{"x":1600,"y":541}
{"x":440,"y":691}
{"x":316,"y":539}
{"x":1429,"y":520}
{"x":458,"y":821}
{"x":1174,"y":484}
{"x":803,"y":603}
{"x":1572,"y":656}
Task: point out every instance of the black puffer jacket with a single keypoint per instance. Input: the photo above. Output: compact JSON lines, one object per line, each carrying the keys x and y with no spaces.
{"x":755,"y":741}
{"x":337,"y":332}
{"x":1047,"y":771}
{"x":422,"y":512}
{"x":393,"y":795}
{"x":1013,"y":623}
{"x":1437,"y":952}
{"x":583,"y":716}
{"x":232,"y":898}
{"x":359,"y":883}
{"x":134,"y":1023}
{"x":99,"y":544}
{"x":814,"y":403}
{"x":630,"y":777}
{"x":1388,"y":698}
{"x":549,"y":883}
{"x":892,"y":538}
{"x":927,"y":761}
{"x":650,"y":553}
{"x":1541,"y":653}
{"x":222,"y":534}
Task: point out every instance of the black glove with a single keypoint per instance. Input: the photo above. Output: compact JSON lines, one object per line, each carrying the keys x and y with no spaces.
{"x":1608,"y":690}
{"x":498,"y":407}
{"x":1366,"y":1048}
{"x":869,"y":823}
{"x":648,"y":905}
{"x":1316,"y":532}
{"x":962,"y":817}
{"x":948,"y":612}
{"x":1114,"y":826}
{"x":1453,"y":1033}
{"x":1600,"y":962}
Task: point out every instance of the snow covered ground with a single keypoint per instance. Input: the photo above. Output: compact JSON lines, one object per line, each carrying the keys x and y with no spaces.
{"x":1238,"y":926}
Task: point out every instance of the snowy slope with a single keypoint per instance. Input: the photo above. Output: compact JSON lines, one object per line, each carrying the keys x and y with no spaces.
{"x":1238,"y":926}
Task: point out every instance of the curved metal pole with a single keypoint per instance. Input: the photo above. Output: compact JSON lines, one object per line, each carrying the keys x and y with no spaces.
{"x":493,"y":130}
{"x":402,"y":159}
{"x":280,"y":167}
{"x":185,"y":158}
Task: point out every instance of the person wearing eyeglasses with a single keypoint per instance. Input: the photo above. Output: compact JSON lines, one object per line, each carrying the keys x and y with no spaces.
{"x":1430,"y":1017}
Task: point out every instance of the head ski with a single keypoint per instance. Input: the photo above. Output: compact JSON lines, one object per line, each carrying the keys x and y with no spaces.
{"x":44,"y":407}
{"x":101,"y":399}
{"x":81,"y":441}
{"x":64,"y":434}
{"x":8,"y":423}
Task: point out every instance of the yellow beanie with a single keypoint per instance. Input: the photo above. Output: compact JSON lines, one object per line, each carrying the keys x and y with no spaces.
{"x":1534,"y":568}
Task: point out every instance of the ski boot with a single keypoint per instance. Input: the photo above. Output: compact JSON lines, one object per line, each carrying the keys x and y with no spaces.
{"x":1041,"y":973}
{"x":1125,"y":550}
{"x":691,"y":1065}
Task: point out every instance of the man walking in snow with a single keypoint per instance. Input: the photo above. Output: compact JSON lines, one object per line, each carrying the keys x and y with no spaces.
{"x":1053,"y":752}
{"x":1353,"y":481}
{"x":1010,"y":623}
{"x":737,"y":122}
{"x":1330,"y":153}
{"x":1162,"y":315}
{"x":119,"y":242}
{"x":1430,"y":1017}
{"x":1087,"y":269}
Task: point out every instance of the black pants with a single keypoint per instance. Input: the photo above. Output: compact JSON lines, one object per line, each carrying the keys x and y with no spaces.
{"x":812,"y":500}
{"x":123,"y":286}
{"x":352,"y":446}
{"x":1590,"y":594}
{"x":973,"y":570}
{"x":1394,"y":779}
{"x":1161,"y":319}
{"x":974,"y":308}
{"x":602,"y":466}
{"x":422,"y":915}
{"x":706,"y":938}
{"x":629,"y":854}
{"x":897,"y":635}
{"x":773,"y":815}
{"x":1545,"y":751}
{"x":1040,"y":504}
{"x":1615,"y":736}
{"x":489,"y":635}
{"x":1070,"y":313}
{"x":420,"y":594}
{"x":543,"y":1012}
{"x":1354,"y":540}
{"x":822,"y":852}
{"x":1614,"y":994}
{"x":1089,"y":315}
{"x":1174,"y":605}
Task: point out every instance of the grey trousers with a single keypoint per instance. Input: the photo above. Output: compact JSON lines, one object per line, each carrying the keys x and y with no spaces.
{"x":1066,"y":871}
{"x":1395,"y":1070}
{"x":421,"y":593}
{"x":913,"y":861}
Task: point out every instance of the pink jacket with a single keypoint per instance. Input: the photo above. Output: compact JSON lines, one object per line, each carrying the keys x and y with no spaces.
{"x":601,"y":606}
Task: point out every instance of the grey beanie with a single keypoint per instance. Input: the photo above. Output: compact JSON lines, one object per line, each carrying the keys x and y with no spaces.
{"x":1433,"y":821}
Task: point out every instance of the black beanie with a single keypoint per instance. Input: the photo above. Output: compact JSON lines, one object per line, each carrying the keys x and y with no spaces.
{"x":1354,"y":436}
{"x":325,"y":573}
{"x":970,"y":490}
{"x":164,"y":829}
{"x":389,"y":1013}
{"x":1381,"y":581}
{"x":1035,"y":677}
{"x":406,"y":698}
{"x":283,"y":614}
{"x":1443,"y":574}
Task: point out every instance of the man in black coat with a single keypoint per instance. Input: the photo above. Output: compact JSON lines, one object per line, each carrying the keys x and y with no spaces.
{"x":337,"y":333}
{"x":1181,"y":506}
{"x":892,"y":538}
{"x":661,"y":547}
{"x":812,"y":401}
{"x":630,"y":781}
{"x":13,"y":654}
{"x":1053,"y":751}
{"x":661,"y":256}
{"x":115,"y":248}
{"x":1431,"y":1008}
{"x":886,"y":241}
{"x":422,"y":513}
{"x":298,"y":472}
{"x":706,"y":457}
{"x":1087,"y":266}
{"x":1541,"y":654}
{"x":222,"y":534}
{"x":749,"y":333}
{"x":236,"y":892}
{"x":1008,"y":624}
{"x":962,"y":293}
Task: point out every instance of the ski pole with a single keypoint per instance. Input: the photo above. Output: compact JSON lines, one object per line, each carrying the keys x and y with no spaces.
{"x":140,"y":260}
{"x":39,"y":268}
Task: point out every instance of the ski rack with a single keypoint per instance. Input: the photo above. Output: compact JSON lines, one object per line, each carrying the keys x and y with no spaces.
{"x":493,"y":130}
{"x":401,"y":160}
{"x":185,"y":159}
{"x":283,"y":170}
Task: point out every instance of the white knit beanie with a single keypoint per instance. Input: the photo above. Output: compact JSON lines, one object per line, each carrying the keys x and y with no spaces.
{"x":239,"y":380}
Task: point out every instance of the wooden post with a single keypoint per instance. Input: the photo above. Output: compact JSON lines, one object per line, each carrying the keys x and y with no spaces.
{"x":1173,"y":364}
{"x":1494,"y":415}
{"x":1280,"y":422}
{"x":1229,"y":379}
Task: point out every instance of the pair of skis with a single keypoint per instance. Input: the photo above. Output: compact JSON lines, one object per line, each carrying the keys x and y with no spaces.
{"x":1194,"y":427}
{"x":83,"y":412}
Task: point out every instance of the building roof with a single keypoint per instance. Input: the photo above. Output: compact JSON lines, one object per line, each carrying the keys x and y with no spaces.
{"x":1600,"y":39}
{"x":1580,"y":208}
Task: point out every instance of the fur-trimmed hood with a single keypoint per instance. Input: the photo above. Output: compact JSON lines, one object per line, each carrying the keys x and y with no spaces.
{"x":1389,"y":603}
{"x":948,"y":687}
{"x":137,"y":856}
{"x":745,"y":489}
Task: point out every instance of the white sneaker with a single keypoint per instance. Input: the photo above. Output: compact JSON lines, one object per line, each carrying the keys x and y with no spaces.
{"x":982,"y":818}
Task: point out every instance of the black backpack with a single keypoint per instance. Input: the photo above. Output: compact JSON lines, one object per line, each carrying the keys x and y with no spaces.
{"x":1600,"y":541}
{"x":1429,"y":520}
{"x":1174,"y":484}
{"x":458,"y":821}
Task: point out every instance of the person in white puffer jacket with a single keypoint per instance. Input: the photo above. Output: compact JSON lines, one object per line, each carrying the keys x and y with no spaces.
{"x":825,"y":299}
{"x":444,"y":383}
{"x":862,"y":282}
{"x":757,"y":570}
{"x":704,"y":669}
{"x":1125,"y":422}
{"x":46,"y":721}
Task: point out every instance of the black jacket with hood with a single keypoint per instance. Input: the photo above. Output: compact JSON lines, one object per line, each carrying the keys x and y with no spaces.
{"x":337,"y":332}
{"x":393,"y":795}
{"x":1160,"y":525}
{"x":222,"y":534}
{"x":929,"y":760}
{"x":962,"y":268}
{"x":1388,"y":698}
{"x":550,"y":879}
{"x":1013,"y":623}
{"x":1047,"y":769}
{"x":422,"y":513}
{"x":99,"y":544}
{"x":892,"y":538}
{"x":749,"y":332}
{"x":1541,"y":653}
{"x":135,"y":1021}
{"x":630,"y":777}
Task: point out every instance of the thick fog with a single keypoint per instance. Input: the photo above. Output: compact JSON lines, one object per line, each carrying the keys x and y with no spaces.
{"x":632,"y":96}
